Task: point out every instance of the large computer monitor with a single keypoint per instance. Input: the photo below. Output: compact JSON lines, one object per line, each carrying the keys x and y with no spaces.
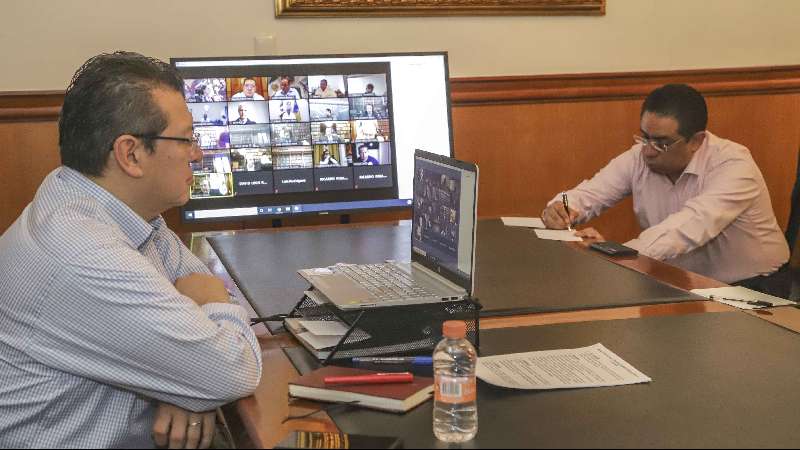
{"x":325,"y":134}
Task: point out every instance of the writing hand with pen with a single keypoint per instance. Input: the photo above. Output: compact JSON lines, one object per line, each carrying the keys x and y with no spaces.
{"x":559,"y":216}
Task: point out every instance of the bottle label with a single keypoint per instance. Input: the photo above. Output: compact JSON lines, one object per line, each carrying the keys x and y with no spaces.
{"x":455,"y":390}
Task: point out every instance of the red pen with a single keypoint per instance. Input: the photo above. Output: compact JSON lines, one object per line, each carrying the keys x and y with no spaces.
{"x":377,"y":378}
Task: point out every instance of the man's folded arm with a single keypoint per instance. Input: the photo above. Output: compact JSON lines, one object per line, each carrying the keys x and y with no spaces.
{"x":729,"y":190}
{"x":126,"y":325}
{"x":186,"y":262}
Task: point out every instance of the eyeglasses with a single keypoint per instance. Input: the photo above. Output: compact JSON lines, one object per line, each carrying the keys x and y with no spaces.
{"x":656,"y":144}
{"x":193,"y":141}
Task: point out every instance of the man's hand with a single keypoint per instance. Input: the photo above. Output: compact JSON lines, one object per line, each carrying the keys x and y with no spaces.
{"x":590,"y":234}
{"x":179,"y":428}
{"x":202,"y":288}
{"x":555,"y":216}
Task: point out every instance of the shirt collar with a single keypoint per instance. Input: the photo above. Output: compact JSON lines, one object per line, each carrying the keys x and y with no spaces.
{"x":694,"y":166}
{"x":135,"y":228}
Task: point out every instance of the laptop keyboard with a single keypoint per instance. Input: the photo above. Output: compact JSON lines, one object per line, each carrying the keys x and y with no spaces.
{"x":384,"y":281}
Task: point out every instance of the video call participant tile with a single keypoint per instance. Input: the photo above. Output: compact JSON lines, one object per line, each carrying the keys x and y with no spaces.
{"x":249,"y":136}
{"x":250,"y":183}
{"x":334,"y":179}
{"x":329,"y":109}
{"x":209,"y":114}
{"x":368,"y":177}
{"x":200,"y":90}
{"x":248,"y":113}
{"x":290,"y":134}
{"x":293,"y":180}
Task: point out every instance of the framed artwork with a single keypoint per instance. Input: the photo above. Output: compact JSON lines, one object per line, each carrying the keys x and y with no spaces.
{"x":388,"y":8}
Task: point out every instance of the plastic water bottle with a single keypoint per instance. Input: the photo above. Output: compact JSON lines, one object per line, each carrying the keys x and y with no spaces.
{"x":455,"y":410}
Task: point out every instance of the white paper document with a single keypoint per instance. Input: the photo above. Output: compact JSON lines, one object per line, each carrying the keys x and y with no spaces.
{"x":558,"y":235}
{"x":741,"y":293}
{"x":530,"y":222}
{"x":319,"y":342}
{"x":594,"y":366}
{"x":324,"y":327}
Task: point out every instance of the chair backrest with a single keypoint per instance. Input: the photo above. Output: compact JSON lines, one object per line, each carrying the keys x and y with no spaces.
{"x":793,"y":227}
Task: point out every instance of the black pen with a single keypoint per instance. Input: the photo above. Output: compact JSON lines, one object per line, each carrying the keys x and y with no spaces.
{"x":566,"y":208}
{"x":761,"y":303}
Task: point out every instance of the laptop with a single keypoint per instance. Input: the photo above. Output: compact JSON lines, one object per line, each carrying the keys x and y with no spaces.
{"x":442,"y":263}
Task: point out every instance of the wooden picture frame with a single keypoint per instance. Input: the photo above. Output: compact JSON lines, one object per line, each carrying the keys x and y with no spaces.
{"x":394,"y":8}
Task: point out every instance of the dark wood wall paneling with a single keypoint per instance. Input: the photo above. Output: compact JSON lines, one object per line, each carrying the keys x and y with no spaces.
{"x":532,"y":136}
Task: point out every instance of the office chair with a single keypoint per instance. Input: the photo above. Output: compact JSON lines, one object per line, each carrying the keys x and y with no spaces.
{"x":794,"y":213}
{"x":786,"y":282}
{"x":792,"y":229}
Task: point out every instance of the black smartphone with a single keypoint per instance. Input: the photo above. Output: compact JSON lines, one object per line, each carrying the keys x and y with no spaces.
{"x":317,"y":439}
{"x":613,"y":249}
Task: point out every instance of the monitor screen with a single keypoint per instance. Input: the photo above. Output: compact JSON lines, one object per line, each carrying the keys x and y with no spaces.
{"x":328,"y":134}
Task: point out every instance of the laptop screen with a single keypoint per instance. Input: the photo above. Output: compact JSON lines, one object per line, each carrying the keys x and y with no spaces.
{"x":444,"y":214}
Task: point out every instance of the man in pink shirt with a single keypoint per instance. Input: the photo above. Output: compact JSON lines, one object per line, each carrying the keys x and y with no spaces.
{"x":700,"y":199}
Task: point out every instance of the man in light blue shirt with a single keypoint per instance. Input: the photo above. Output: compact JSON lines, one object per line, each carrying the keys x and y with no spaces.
{"x":286,"y":91}
{"x":112,"y":334}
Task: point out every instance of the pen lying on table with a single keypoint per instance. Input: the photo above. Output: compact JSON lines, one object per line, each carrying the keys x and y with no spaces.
{"x":413,"y":360}
{"x":761,"y":303}
{"x":378,"y":378}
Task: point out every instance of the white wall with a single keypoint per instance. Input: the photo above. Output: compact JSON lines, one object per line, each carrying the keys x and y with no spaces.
{"x":44,"y":41}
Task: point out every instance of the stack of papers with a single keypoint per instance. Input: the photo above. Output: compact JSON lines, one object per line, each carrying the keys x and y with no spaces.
{"x":558,"y":235}
{"x":530,"y":222}
{"x":324,"y":327}
{"x":320,"y":336}
{"x":541,"y":230}
{"x":727,"y":295}
{"x":594,"y":366}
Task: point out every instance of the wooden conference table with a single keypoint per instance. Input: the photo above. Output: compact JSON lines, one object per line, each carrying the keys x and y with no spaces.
{"x":259,"y":421}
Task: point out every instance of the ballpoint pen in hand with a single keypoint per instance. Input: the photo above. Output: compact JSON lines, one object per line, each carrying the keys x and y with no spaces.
{"x":566,"y":208}
{"x":761,"y":303}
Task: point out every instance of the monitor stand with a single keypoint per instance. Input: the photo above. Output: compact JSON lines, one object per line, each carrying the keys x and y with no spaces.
{"x":344,"y":218}
{"x":277,"y":223}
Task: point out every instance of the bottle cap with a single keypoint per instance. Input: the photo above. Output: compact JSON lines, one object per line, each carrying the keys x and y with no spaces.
{"x":454,"y":329}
